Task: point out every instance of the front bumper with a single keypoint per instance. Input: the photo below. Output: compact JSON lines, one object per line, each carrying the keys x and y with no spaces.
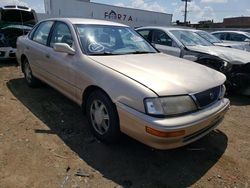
{"x":7,"y":53}
{"x":195,"y":125}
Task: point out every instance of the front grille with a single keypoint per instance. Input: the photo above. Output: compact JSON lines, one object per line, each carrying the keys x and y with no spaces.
{"x":2,"y":54}
{"x":12,"y":54}
{"x":207,"y":97}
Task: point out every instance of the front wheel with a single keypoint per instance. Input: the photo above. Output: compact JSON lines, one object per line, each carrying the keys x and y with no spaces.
{"x":102,"y":117}
{"x":30,"y":79}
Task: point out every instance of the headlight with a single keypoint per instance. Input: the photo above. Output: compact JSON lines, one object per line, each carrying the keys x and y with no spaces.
{"x":222,"y":91}
{"x":226,"y":66}
{"x":170,"y":105}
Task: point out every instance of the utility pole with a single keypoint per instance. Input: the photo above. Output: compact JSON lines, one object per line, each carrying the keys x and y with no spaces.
{"x":185,"y":13}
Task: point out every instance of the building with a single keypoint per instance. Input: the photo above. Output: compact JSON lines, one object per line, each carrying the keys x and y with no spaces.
{"x":242,"y":23}
{"x":233,"y":22}
{"x":87,"y":9}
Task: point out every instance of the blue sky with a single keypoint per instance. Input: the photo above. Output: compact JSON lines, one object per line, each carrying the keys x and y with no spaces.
{"x":198,"y":9}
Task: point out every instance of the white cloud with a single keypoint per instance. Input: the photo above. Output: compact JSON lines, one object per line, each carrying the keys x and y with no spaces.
{"x":120,"y":4}
{"x":174,"y":4}
{"x":141,"y":4}
{"x":195,"y":13}
{"x":214,"y":1}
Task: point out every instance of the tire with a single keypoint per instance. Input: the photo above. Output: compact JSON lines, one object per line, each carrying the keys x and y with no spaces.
{"x":30,"y":79}
{"x":102,"y":117}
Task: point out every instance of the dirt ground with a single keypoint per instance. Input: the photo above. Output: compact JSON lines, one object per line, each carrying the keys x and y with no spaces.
{"x":44,"y":142}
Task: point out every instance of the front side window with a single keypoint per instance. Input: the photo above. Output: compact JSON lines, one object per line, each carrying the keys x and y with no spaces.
{"x":160,"y":37}
{"x":218,"y":35}
{"x":42,"y":32}
{"x":145,"y":34}
{"x":190,"y":38}
{"x":111,"y":40}
{"x":61,"y":34}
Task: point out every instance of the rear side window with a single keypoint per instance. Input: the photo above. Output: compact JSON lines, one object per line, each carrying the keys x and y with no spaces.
{"x":238,"y":37}
{"x":42,"y":32}
{"x":61,"y":34}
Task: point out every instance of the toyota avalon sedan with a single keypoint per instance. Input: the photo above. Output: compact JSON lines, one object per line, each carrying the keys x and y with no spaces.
{"x":122,"y":83}
{"x":187,"y":44}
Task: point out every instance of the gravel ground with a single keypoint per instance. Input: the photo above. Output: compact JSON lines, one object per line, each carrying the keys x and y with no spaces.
{"x":44,"y":142}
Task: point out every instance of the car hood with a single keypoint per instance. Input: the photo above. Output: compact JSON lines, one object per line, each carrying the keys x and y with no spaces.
{"x":164,"y":74}
{"x":231,"y":55}
{"x":231,"y":45}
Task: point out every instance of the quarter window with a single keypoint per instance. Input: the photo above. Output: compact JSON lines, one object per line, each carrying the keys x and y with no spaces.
{"x":42,"y":32}
{"x":61,"y":34}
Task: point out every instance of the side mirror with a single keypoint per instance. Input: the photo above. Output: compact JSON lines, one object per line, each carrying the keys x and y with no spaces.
{"x":64,"y":48}
{"x":247,"y":40}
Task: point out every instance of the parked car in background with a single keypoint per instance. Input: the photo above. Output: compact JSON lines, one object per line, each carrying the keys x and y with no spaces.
{"x":184,"y":43}
{"x":14,"y":22}
{"x":215,"y":41}
{"x":123,"y":83}
{"x":234,"y":36}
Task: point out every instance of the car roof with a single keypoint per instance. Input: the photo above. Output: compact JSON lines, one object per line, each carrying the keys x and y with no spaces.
{"x":166,"y":28}
{"x":87,"y":21}
{"x":239,"y":32}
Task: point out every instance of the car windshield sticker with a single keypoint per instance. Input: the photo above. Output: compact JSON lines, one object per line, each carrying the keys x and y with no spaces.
{"x":95,"y":47}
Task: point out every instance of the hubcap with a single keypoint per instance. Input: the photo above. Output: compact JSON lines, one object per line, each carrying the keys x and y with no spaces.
{"x":27,"y":71}
{"x":99,"y":117}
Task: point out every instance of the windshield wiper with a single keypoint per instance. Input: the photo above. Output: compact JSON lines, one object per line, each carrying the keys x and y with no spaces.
{"x":134,"y":52}
{"x":139,"y":52}
{"x":104,"y":53}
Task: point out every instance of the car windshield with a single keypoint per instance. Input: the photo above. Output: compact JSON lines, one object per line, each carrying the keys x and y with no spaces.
{"x":247,"y":34}
{"x":189,"y":38}
{"x":111,"y":40}
{"x":209,"y":37}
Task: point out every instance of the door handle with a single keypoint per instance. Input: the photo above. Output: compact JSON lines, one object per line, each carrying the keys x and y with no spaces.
{"x":48,"y":56}
{"x":27,"y":47}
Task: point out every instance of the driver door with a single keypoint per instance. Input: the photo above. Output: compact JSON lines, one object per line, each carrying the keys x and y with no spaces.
{"x":60,"y":65}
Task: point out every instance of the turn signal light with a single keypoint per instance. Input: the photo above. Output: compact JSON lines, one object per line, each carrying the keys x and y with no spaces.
{"x":164,"y":134}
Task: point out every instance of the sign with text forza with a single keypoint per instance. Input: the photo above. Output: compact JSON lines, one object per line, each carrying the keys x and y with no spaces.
{"x":112,"y":15}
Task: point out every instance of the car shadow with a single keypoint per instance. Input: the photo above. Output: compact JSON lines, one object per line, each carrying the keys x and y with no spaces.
{"x":128,"y":163}
{"x":8,"y":63}
{"x":239,"y":100}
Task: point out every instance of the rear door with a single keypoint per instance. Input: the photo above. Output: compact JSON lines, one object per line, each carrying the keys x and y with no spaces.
{"x":165,"y":44}
{"x":36,"y":48}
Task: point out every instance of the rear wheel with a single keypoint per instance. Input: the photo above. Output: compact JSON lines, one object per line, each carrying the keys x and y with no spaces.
{"x":102,"y":117}
{"x":30,"y":79}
